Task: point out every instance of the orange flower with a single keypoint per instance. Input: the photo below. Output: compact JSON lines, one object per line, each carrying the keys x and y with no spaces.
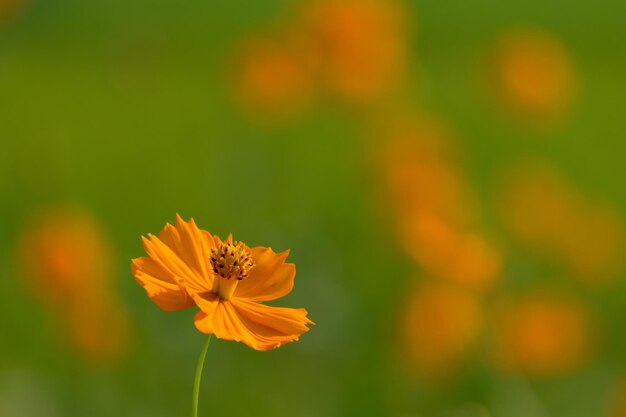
{"x":362,"y":46}
{"x":272,"y":77}
{"x":433,"y":206}
{"x":466,"y":258}
{"x":534,"y":72}
{"x":227,"y":280}
{"x":63,"y":252}
{"x":441,"y":326}
{"x":547,"y":213}
{"x":9,"y":9}
{"x":98,"y":326}
{"x":421,"y":173}
{"x":542,"y":335}
{"x":617,"y":399}
{"x":65,"y":260}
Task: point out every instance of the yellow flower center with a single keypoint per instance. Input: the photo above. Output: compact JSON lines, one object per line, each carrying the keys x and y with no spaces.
{"x":231,"y":262}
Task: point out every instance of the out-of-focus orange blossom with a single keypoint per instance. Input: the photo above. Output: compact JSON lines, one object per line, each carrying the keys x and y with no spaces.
{"x":97,"y":327}
{"x":10,"y":8}
{"x":433,"y":206}
{"x":441,"y":324}
{"x":538,"y":204}
{"x":466,"y":258}
{"x":594,"y":250}
{"x":617,"y":400}
{"x":356,"y":50}
{"x":542,"y":335}
{"x":362,"y":45}
{"x":63,"y":253}
{"x":272,"y":77}
{"x":420,"y":172}
{"x":534,"y":73}
{"x":545,"y":212}
{"x":65,"y":260}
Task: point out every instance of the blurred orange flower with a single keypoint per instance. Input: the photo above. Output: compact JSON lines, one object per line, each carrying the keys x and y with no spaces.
{"x":59,"y":249}
{"x":538,"y":204}
{"x":362,"y":45}
{"x":10,"y":8}
{"x":441,"y":325}
{"x":227,"y":280}
{"x":534,"y":73}
{"x":466,"y":258}
{"x":99,"y":327}
{"x":544,"y":211}
{"x":66,"y":263}
{"x":272,"y":78}
{"x":617,"y":400}
{"x":594,"y":248}
{"x":542,"y":335}
{"x":421,"y":174}
{"x":433,"y":207}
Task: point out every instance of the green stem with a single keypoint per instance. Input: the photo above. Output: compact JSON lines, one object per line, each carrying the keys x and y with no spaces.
{"x":196,"y":384}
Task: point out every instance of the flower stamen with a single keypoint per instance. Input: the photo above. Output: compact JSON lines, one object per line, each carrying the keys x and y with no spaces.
{"x":231,"y":262}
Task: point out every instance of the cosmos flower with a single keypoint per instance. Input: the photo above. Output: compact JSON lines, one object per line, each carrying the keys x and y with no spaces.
{"x":617,"y":399}
{"x":10,"y":9}
{"x":226,"y":280}
{"x":441,"y":325}
{"x":433,"y":206}
{"x":362,"y":44}
{"x":65,"y":261}
{"x":463,"y":257}
{"x":534,"y":73}
{"x":63,"y":252}
{"x":272,"y":77}
{"x":421,"y":173}
{"x":546,"y":213}
{"x":542,"y":335}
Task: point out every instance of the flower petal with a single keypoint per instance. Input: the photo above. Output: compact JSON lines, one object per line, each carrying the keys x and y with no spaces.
{"x":207,"y":302}
{"x":183,"y":250}
{"x":259,"y":326}
{"x":269,"y":279}
{"x":160,"y":285}
{"x":191,"y":244}
{"x":203,"y":318}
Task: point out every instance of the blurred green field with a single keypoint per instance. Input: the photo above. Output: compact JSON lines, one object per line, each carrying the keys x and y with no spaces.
{"x":123,"y":108}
